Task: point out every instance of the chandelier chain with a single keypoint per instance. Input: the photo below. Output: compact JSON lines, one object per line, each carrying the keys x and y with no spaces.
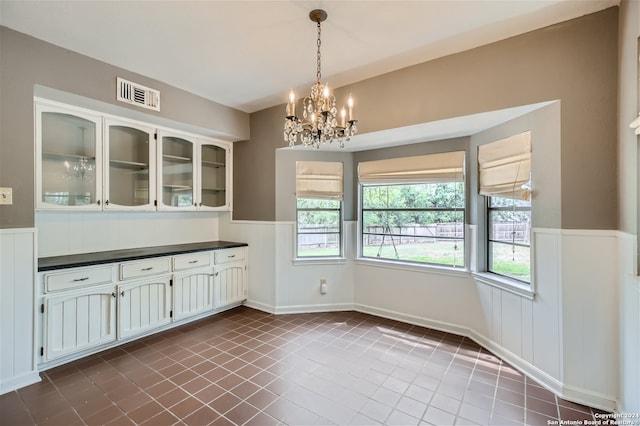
{"x":318,"y":69}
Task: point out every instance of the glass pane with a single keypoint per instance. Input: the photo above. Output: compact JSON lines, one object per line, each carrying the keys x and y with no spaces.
{"x":508,"y":202}
{"x":510,"y":238}
{"x":411,"y":223}
{"x":68,"y":159}
{"x":177,"y":172}
{"x":510,"y":226}
{"x":318,"y":229}
{"x":433,"y":195}
{"x":128,"y":166}
{"x":510,"y":260}
{"x":313,"y":203}
{"x":423,"y":240}
{"x":213,"y":161}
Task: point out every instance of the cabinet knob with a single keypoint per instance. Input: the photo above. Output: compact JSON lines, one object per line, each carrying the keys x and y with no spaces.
{"x":113,"y":294}
{"x":98,"y":202}
{"x":122,"y":293}
{"x":107,"y":202}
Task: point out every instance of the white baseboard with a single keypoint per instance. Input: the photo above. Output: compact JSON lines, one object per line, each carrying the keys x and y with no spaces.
{"x":18,"y":382}
{"x":305,"y":309}
{"x":270,"y":309}
{"x":412,"y":319}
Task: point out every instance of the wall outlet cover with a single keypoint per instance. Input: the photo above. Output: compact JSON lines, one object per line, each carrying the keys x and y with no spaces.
{"x":6,"y":196}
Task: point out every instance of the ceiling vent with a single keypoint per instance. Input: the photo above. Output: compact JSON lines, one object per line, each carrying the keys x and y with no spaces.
{"x":137,"y":94}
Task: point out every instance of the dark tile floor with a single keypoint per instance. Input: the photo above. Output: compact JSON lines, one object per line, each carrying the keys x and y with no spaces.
{"x":248,"y":367}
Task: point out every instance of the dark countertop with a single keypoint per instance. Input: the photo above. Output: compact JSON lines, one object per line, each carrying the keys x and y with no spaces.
{"x":101,"y":257}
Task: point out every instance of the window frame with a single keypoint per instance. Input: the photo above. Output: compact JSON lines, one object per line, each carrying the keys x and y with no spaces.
{"x":431,"y":265}
{"x":488,"y":240}
{"x":340,"y":233}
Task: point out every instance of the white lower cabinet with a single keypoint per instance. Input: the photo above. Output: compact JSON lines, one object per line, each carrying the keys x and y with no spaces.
{"x":143,"y":306}
{"x":229,"y":284}
{"x":192,"y":293}
{"x":87,"y":309}
{"x":78,"y":320}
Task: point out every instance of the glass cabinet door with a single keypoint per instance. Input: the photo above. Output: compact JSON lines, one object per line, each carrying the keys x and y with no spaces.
{"x":130,"y":178}
{"x":68,"y":152}
{"x":176,"y":183}
{"x":213,"y":176}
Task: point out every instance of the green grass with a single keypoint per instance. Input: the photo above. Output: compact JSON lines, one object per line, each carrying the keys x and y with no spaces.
{"x":443,"y":253}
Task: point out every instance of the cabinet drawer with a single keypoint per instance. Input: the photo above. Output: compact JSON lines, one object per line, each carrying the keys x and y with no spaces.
{"x":229,"y":255}
{"x":189,"y":261}
{"x":143,"y":268}
{"x":77,"y":278}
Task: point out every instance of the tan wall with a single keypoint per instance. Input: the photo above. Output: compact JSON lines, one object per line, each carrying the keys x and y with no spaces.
{"x":26,"y":63}
{"x":574,"y":62}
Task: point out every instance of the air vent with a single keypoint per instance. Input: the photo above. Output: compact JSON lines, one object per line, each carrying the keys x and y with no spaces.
{"x":137,"y":94}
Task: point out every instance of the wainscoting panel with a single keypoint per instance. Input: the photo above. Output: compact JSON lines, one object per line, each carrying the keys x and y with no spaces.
{"x":590,"y":305}
{"x":547,"y":329}
{"x":17,"y":275}
{"x":262,"y":258}
{"x":629,"y":302}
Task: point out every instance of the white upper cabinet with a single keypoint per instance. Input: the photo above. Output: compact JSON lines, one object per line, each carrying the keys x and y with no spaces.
{"x":193,"y":172}
{"x":129,"y":166}
{"x":176,"y":178}
{"x":214,"y":175}
{"x":88,"y":161}
{"x":68,"y":159}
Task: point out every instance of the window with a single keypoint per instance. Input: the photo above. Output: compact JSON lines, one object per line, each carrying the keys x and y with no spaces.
{"x":319,"y":192}
{"x":504,"y":169}
{"x":413,"y":209}
{"x":509,"y":237}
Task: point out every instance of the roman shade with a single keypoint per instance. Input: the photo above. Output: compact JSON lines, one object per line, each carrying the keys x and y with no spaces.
{"x":504,"y":167}
{"x":431,"y":168}
{"x":319,"y":179}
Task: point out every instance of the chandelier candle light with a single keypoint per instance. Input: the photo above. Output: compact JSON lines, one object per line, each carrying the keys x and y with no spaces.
{"x":319,"y":122}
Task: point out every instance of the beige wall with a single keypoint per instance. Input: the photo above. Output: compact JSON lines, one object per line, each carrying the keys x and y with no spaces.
{"x":574,"y":62}
{"x":26,"y":63}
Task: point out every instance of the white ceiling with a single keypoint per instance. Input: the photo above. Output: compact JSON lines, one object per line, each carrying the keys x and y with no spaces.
{"x":247,"y":54}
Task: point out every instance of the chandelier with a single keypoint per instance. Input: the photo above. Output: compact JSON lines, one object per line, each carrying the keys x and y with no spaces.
{"x":319,"y":123}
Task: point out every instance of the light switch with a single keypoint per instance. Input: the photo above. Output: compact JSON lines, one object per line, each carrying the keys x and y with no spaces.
{"x":6,"y":196}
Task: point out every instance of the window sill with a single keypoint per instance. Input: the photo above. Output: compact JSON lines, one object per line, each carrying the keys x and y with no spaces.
{"x":506,"y":284}
{"x":319,"y":261}
{"x":390,"y":264}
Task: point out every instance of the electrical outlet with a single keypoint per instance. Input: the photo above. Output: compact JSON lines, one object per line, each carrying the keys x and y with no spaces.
{"x":6,"y":196}
{"x":323,"y":286}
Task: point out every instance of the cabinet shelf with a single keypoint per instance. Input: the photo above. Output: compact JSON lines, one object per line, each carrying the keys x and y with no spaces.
{"x":178,"y":187}
{"x":128,"y":164}
{"x":176,"y":158}
{"x":214,"y":189}
{"x":213,"y":164}
{"x":60,"y":156}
